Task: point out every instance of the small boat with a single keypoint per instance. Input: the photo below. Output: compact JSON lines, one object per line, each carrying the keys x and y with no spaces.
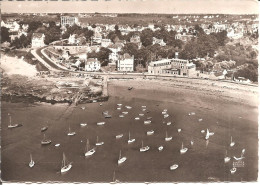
{"x":99,"y":143}
{"x":183,"y":150}
{"x":121,"y":116}
{"x":44,"y":129}
{"x":89,"y":152}
{"x":149,"y":118}
{"x":119,"y":136}
{"x":174,"y":167}
{"x":191,"y":142}
{"x":10,"y":123}
{"x":202,"y":131}
{"x":70,"y":133}
{"x":105,"y":112}
{"x":141,"y":114}
{"x":167,"y":138}
{"x":130,"y":88}
{"x":83,"y":108}
{"x":119,"y":104}
{"x":31,"y":163}
{"x":65,"y":165}
{"x":130,"y":140}
{"x":94,"y":101}
{"x":207,"y":135}
{"x":45,"y":141}
{"x":160,"y":148}
{"x":100,"y":123}
{"x":179,"y":130}
{"x":200,"y":119}
{"x":163,"y":112}
{"x":143,"y":110}
{"x":233,"y":170}
{"x":241,"y":157}
{"x":108,"y":116}
{"x":128,"y":107}
{"x":114,"y":179}
{"x":124,"y":112}
{"x":100,"y":104}
{"x":192,"y":113}
{"x":137,"y":118}
{"x":147,"y":122}
{"x":226,"y":159}
{"x":57,"y":145}
{"x":168,"y":123}
{"x":118,"y":108}
{"x":143,"y":106}
{"x":83,"y":124}
{"x":232,"y":143}
{"x":144,"y":148}
{"x":211,"y":133}
{"x":150,"y":132}
{"x":121,"y":159}
{"x":166,"y":115}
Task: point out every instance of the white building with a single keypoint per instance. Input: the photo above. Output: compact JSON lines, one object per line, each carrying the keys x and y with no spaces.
{"x":105,"y":42}
{"x":125,"y":63}
{"x":158,"y":41}
{"x":92,"y":64}
{"x":38,"y":40}
{"x":68,"y":20}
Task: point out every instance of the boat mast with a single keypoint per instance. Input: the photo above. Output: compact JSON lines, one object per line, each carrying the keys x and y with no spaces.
{"x":114,"y":176}
{"x":182,"y":145}
{"x":31,"y":157}
{"x":231,"y":139}
{"x":129,"y":135}
{"x":142,"y":144}
{"x":120,"y":154}
{"x":10,"y":118}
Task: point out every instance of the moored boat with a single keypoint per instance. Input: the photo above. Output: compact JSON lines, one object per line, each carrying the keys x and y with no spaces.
{"x":87,"y":151}
{"x":31,"y":163}
{"x":10,"y":123}
{"x":160,"y":148}
{"x":174,"y":167}
{"x":144,"y":148}
{"x":130,"y":140}
{"x":167,"y":138}
{"x":65,"y":165}
{"x":119,"y":136}
{"x":147,"y":122}
{"x":44,"y":129}
{"x":150,"y":132}
{"x":45,"y":141}
{"x":99,"y":143}
{"x":101,"y":123}
{"x":183,"y":150}
{"x":83,"y":124}
{"x":121,"y":159}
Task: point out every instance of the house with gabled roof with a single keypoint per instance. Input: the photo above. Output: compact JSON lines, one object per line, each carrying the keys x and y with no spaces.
{"x":38,"y":40}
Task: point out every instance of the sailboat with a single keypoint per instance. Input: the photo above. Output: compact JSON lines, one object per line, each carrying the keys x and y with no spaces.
{"x":168,"y":123}
{"x":65,"y":165}
{"x":10,"y":123}
{"x":114,"y":178}
{"x":150,"y":132}
{"x":242,"y":155}
{"x":207,"y":135}
{"x":179,"y":130}
{"x":160,"y":148}
{"x":130,"y":140}
{"x":174,"y":167}
{"x":45,"y":141}
{"x":119,"y":136}
{"x":183,"y":150}
{"x":226,"y":159}
{"x":144,"y":148}
{"x":99,"y":143}
{"x":31,"y":163}
{"x":167,"y":138}
{"x":121,"y":159}
{"x":232,"y":143}
{"x":147,"y":122}
{"x":71,"y":133}
{"x":89,"y":152}
{"x":233,"y":170}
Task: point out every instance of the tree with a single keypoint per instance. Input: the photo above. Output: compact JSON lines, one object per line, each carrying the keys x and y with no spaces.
{"x":130,"y":48}
{"x":190,"y":51}
{"x":146,"y":37}
{"x":34,"y":25}
{"x":103,"y":55}
{"x":5,"y":36}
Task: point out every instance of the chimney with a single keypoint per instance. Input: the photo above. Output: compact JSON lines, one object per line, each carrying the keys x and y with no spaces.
{"x":176,"y":55}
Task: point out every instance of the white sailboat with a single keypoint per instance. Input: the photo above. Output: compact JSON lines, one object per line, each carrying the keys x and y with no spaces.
{"x":99,"y":143}
{"x":144,"y":148}
{"x":241,"y":157}
{"x":10,"y":122}
{"x":150,"y":132}
{"x":166,"y":115}
{"x":160,"y":148}
{"x":65,"y":166}
{"x":130,"y":140}
{"x":147,"y":122}
{"x":174,"y":167}
{"x":101,"y":123}
{"x":121,"y":159}
{"x":191,"y":142}
{"x":233,"y":170}
{"x":137,"y":118}
{"x":89,"y":152}
{"x":207,"y":135}
{"x":183,"y":150}
{"x":232,"y":143}
{"x":226,"y":159}
{"x":83,"y":124}
{"x":70,"y":133}
{"x":167,"y":138}
{"x":31,"y":163}
{"x":45,"y":141}
{"x":168,"y":123}
{"x":179,"y":130}
{"x":119,"y":136}
{"x":114,"y":179}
